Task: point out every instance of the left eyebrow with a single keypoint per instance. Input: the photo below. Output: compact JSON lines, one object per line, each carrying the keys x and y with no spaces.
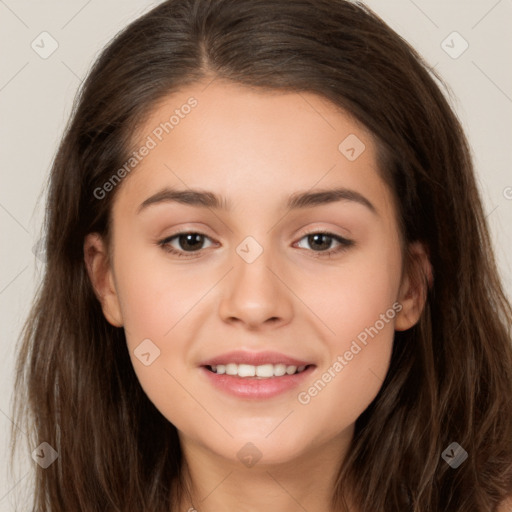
{"x":298,"y":200}
{"x":190,"y":197}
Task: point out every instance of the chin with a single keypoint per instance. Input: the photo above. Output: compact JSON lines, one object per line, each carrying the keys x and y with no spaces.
{"x":249,"y":450}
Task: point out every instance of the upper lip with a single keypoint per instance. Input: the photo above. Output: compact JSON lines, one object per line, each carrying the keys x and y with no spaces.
{"x":254,"y":358}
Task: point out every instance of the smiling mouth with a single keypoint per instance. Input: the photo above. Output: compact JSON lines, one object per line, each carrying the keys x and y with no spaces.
{"x":264,"y":371}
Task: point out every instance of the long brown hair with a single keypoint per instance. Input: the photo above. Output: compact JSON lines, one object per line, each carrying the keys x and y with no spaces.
{"x":450,"y":378}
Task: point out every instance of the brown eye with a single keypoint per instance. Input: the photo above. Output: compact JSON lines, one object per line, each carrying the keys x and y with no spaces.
{"x":185,"y":242}
{"x":321,"y":243}
{"x":190,"y":241}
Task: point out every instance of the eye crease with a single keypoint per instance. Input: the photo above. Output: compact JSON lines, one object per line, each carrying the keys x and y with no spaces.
{"x":195,"y":238}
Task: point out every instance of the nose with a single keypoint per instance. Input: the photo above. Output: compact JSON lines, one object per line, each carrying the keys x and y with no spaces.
{"x":256,"y":294}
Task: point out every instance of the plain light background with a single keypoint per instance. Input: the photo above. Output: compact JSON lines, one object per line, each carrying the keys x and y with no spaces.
{"x":36,"y":96}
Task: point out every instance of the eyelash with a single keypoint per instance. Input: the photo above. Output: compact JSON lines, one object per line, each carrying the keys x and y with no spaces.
{"x":345,"y":243}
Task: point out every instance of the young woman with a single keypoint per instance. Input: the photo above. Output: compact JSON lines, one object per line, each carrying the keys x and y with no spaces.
{"x":269,"y":281}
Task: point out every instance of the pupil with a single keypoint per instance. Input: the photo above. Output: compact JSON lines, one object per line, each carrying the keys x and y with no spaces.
{"x":190,"y":238}
{"x":194,"y":240}
{"x":319,"y":235}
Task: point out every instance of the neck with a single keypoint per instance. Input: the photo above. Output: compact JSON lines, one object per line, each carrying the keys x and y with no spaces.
{"x":212,"y":482}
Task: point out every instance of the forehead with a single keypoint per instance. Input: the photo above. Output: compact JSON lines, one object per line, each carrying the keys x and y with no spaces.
{"x":252,"y":146}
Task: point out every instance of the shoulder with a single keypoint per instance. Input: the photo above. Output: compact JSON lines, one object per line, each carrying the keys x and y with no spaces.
{"x":506,"y":505}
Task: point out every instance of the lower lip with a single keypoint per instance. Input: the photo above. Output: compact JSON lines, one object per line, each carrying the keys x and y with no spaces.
{"x":250,"y":387}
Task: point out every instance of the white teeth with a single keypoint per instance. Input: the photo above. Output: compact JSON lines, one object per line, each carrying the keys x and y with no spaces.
{"x":279,"y":370}
{"x":231,"y":369}
{"x":264,"y":371}
{"x":291,"y":369}
{"x":246,"y":370}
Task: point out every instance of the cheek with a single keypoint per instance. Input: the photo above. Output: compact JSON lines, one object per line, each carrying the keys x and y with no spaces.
{"x":159,"y":301}
{"x":353,"y":373}
{"x":358,"y":304}
{"x":353,"y":295}
{"x":155,"y":303}
{"x":156,"y":294}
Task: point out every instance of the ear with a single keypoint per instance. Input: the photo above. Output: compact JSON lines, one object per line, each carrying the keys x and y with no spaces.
{"x":414,"y":287}
{"x":100,"y":273}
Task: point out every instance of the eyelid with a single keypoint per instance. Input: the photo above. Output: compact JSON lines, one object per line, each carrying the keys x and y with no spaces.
{"x":344,"y":243}
{"x":166,"y":241}
{"x":320,"y":227}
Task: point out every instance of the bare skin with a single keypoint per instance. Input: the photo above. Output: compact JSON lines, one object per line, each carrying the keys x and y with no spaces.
{"x":256,"y":149}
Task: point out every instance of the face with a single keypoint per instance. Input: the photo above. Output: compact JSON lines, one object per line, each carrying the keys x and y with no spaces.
{"x":289,"y":278}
